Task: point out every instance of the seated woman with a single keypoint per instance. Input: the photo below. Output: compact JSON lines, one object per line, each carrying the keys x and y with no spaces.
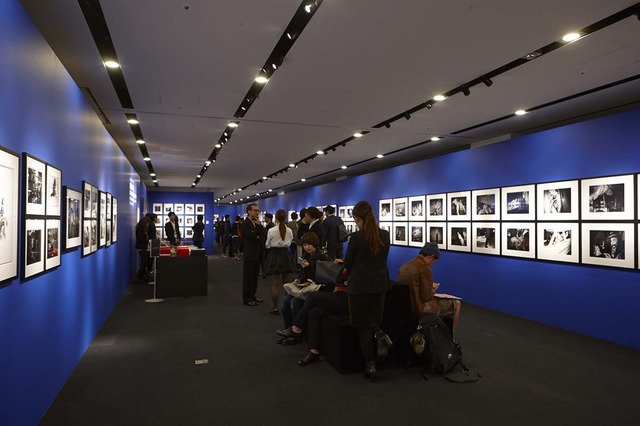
{"x":292,"y":305}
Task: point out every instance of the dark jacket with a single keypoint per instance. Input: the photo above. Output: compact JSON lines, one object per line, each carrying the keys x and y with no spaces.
{"x":253,"y":239}
{"x":331,"y":226}
{"x":142,"y":238}
{"x":368,"y":273}
{"x":309,"y":273}
{"x":168,"y":231}
{"x":319,"y":231}
{"x":198,"y":232}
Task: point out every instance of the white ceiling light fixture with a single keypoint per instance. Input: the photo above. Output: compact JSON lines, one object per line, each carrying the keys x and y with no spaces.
{"x":439,"y":98}
{"x":292,"y":165}
{"x":343,"y":167}
{"x":133,"y":121}
{"x":199,"y":176}
{"x":207,"y":163}
{"x":435,"y":139}
{"x":261,"y":79}
{"x":357,"y":135}
{"x":218,"y":145}
{"x":233,"y":124}
{"x":140,"y":142}
{"x":303,"y":180}
{"x":152,"y":174}
{"x":379,"y":156}
{"x":320,"y":152}
{"x":111,"y":64}
{"x":147,"y":159}
{"x":520,"y":112}
{"x":570,"y":37}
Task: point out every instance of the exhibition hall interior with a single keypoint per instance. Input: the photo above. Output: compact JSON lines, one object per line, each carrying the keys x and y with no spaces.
{"x":506,"y":133}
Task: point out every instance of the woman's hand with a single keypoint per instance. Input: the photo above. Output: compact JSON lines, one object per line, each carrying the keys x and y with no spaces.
{"x":304,"y":263}
{"x":338,"y":261}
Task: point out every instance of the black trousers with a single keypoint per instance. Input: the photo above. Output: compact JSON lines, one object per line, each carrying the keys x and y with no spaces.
{"x":316,"y":306}
{"x":250,"y":274}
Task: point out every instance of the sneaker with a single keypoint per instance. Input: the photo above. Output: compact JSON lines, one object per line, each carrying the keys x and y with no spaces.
{"x":274,"y":311}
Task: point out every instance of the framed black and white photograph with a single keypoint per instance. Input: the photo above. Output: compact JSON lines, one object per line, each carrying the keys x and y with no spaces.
{"x":437,"y":233}
{"x":86,"y":200}
{"x":157,"y":208}
{"x":608,"y":244}
{"x":86,"y":237}
{"x":399,"y":236}
{"x":108,"y":231}
{"x":387,"y":226}
{"x":107,"y":228}
{"x":559,"y":241}
{"x":189,"y":209}
{"x":178,"y":208}
{"x":200,"y":209}
{"x":558,"y":200}
{"x":168,"y":207}
{"x":351,"y":227}
{"x":102,"y":240}
{"x":94,"y":235}
{"x":34,"y":187}
{"x":53,"y":190}
{"x":518,"y":203}
{"x":437,"y":207}
{"x":400,"y":212}
{"x":417,"y":210}
{"x":94,"y":202}
{"x":608,"y":198}
{"x":52,"y":244}
{"x":34,"y":244}
{"x":72,"y":220}
{"x":485,"y":238}
{"x":417,"y":235}
{"x":346,"y":213}
{"x":385,"y":212}
{"x":518,"y":239}
{"x":188,"y":232}
{"x":109,"y":203}
{"x":459,"y":205}
{"x":9,"y":199}
{"x":189,"y":221}
{"x":114,"y":220}
{"x":180,"y":220}
{"x":458,"y":236}
{"x":485,"y":204}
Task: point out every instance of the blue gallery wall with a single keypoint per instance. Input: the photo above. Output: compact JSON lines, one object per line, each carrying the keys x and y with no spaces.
{"x":46,"y":323}
{"x":596,"y":301}
{"x":205,"y":198}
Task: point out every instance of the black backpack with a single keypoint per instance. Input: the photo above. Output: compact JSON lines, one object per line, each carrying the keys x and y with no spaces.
{"x":434,"y":344}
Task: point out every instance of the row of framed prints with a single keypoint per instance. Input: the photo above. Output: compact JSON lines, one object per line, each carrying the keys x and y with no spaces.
{"x":605,"y":244}
{"x":185,"y":225}
{"x":178,"y":208}
{"x":598,"y":199}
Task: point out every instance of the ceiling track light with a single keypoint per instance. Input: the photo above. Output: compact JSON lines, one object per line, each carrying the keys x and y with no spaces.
{"x":387,"y":125}
{"x":466,"y":91}
{"x":407,"y":115}
{"x":429,"y":105}
{"x":487,"y":82}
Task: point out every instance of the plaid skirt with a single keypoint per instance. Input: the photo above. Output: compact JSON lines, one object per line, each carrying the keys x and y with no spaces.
{"x":365,"y":309}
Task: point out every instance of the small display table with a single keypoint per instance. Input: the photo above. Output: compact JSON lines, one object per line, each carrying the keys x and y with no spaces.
{"x":181,"y":276}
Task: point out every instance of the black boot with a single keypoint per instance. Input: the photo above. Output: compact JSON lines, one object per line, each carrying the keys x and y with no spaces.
{"x":370,"y":371}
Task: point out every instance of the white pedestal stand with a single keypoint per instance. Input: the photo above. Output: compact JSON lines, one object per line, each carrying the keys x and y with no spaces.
{"x":155,"y":299}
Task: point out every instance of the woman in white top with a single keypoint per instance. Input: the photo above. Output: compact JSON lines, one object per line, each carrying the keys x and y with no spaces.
{"x":279,"y":265}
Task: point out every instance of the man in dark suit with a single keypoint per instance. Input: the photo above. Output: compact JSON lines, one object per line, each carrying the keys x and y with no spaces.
{"x":172,"y":230}
{"x":331,"y":225}
{"x":312,"y":218}
{"x":253,"y":237}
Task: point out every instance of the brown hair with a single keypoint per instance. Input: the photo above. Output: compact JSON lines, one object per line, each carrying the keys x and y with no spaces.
{"x":311,"y":238}
{"x":370,"y":228}
{"x":281,"y":217}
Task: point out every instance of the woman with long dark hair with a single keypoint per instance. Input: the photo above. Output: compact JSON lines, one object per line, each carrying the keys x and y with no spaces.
{"x":366,"y":262}
{"x":279,"y":264}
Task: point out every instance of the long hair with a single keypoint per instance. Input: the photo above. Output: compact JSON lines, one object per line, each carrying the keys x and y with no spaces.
{"x":281,"y":217}
{"x":370,"y":229}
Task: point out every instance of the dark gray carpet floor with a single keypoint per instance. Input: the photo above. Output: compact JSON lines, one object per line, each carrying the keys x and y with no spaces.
{"x":140,"y":371}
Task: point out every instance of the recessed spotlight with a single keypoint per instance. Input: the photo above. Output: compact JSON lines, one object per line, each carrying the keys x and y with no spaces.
{"x":343,"y":167}
{"x":520,"y":112}
{"x":133,"y":121}
{"x":570,"y":37}
{"x":357,"y":135}
{"x":379,"y":156}
{"x":111,"y":64}
{"x":232,"y":124}
{"x":320,"y":152}
{"x":435,"y":139}
{"x":147,"y":159}
{"x":439,"y":98}
{"x":292,"y":165}
{"x":303,"y":180}
{"x":261,"y":79}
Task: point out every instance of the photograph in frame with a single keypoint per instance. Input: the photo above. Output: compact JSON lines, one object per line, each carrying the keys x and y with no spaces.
{"x":437,"y":207}
{"x":608,"y":244}
{"x":384,"y":211}
{"x":53,"y":257}
{"x":351,"y":227}
{"x":94,"y":202}
{"x":94,"y":235}
{"x":34,"y":244}
{"x":437,"y":233}
{"x":103,"y":220}
{"x":485,"y":204}
{"x":189,"y":209}
{"x":458,"y":236}
{"x":168,"y":208}
{"x":485,"y":238}
{"x":180,"y":220}
{"x":518,"y":239}
{"x":34,"y":187}
{"x":417,"y":208}
{"x":109,"y":201}
{"x":9,"y":199}
{"x":347,"y":211}
{"x":157,"y":208}
{"x":417,"y":235}
{"x":53,"y":190}
{"x":559,"y":241}
{"x":178,"y":208}
{"x":459,"y":205}
{"x":86,"y":237}
{"x":558,"y":200}
{"x":399,"y":235}
{"x":200,"y":209}
{"x":72,"y":220}
{"x":518,"y":203}
{"x":387,"y":226}
{"x":108,"y":233}
{"x":608,"y":198}
{"x":114,"y":220}
{"x":400,"y":212}
{"x":188,"y":232}
{"x":86,"y":200}
{"x":189,"y":221}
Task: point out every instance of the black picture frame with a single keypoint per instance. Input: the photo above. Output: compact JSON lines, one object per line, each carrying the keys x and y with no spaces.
{"x":72,"y":218}
{"x":9,"y":213}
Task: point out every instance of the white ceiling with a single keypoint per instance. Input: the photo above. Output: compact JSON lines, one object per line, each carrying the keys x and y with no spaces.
{"x":357,"y":64}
